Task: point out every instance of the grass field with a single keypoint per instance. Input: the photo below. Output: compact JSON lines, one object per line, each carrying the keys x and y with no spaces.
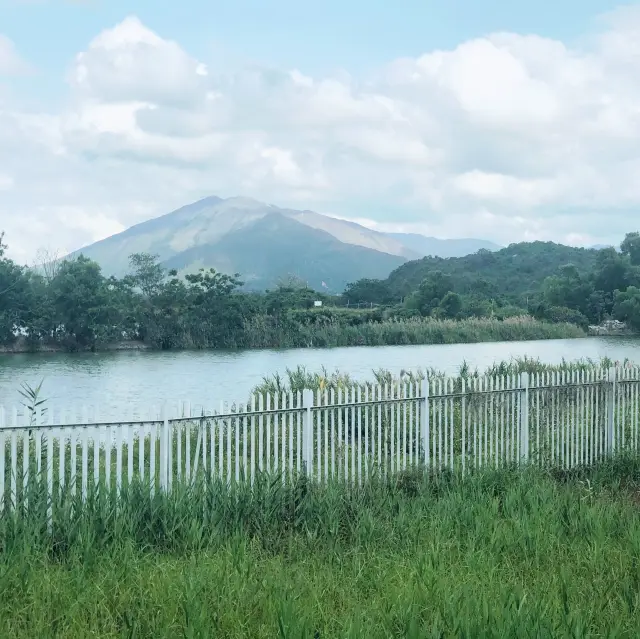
{"x":501,"y":554}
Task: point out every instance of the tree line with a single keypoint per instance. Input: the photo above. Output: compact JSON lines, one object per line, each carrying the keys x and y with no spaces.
{"x":548,"y":281}
{"x":71,"y":304}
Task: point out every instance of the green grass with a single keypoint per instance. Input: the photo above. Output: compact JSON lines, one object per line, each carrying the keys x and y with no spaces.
{"x":264,"y":332}
{"x":500,"y":554}
{"x":351,"y":328}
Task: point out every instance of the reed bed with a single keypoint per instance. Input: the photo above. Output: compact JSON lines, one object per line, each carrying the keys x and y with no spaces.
{"x":267,"y":332}
{"x":507,"y":553}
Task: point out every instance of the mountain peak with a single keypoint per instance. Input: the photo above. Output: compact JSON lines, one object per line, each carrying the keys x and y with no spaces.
{"x":241,"y":202}
{"x":259,"y":240}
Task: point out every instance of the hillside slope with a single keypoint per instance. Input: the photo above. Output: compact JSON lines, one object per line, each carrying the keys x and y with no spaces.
{"x":225,"y":234}
{"x":512,"y":271}
{"x":277,"y":246}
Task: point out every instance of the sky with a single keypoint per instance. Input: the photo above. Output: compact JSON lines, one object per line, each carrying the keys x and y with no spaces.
{"x":507,"y":121}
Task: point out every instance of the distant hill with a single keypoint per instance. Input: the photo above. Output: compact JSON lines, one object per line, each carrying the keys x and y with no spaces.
{"x":423,"y":245}
{"x":513,"y":271}
{"x":276,"y":246}
{"x":264,"y":243}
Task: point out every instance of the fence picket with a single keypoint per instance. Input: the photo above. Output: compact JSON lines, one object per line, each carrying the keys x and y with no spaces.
{"x":561,"y":419}
{"x":238,"y":423}
{"x":153,"y":438}
{"x":50,"y":433}
{"x":26,"y":456}
{"x":107,"y":453}
{"x":318,"y":437}
{"x":325,"y":426}
{"x":225,"y":425}
{"x":98,"y":437}
{"x":283,"y":434}
{"x":14,"y":459}
{"x":253,"y":438}
{"x":2,"y":457}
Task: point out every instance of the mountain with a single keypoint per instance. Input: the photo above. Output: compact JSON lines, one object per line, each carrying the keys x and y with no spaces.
{"x":514,"y":271}
{"x":423,"y":245}
{"x":314,"y":256}
{"x":264,"y":243}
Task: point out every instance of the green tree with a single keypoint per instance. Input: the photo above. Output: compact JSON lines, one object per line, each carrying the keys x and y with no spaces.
{"x":450,"y":306}
{"x":80,"y":299}
{"x":611,"y":271}
{"x":367,"y":291}
{"x":631,"y":247}
{"x":626,"y":306}
{"x":215,"y":312}
{"x":569,"y":289}
{"x":431,"y":291}
{"x":147,"y":273}
{"x":14,"y":296}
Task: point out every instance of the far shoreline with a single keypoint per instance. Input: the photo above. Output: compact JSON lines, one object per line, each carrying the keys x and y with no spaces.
{"x":141,"y":347}
{"x":441,"y":332}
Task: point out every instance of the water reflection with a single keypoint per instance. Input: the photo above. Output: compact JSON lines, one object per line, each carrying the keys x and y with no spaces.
{"x":116,"y":381}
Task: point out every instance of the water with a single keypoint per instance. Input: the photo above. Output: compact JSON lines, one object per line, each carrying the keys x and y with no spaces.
{"x":117,"y":381}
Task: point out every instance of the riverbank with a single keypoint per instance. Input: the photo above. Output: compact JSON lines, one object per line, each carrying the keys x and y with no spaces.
{"x":261,"y":334}
{"x":611,"y":328}
{"x":500,"y":554}
{"x":22,"y":346}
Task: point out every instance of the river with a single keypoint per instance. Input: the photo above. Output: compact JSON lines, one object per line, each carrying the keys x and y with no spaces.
{"x":120,"y":380}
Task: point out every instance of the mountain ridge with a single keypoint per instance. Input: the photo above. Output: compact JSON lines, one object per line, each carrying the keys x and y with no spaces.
{"x":243,"y":235}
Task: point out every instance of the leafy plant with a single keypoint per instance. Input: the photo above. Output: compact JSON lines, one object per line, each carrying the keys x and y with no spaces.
{"x":33,"y":402}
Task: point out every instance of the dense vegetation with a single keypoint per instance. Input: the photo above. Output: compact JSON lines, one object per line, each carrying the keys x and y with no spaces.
{"x":70,"y":304}
{"x":498,"y":554}
{"x":546,"y":280}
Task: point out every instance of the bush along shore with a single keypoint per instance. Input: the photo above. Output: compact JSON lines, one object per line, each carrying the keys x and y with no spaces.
{"x":509,"y":553}
{"x":267,"y":332}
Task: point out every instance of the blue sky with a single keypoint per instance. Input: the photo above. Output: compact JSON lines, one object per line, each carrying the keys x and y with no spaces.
{"x":503,"y":120}
{"x":316,"y":37}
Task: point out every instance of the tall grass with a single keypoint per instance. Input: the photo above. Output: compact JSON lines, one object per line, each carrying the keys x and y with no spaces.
{"x":387,"y":439}
{"x":500,"y":554}
{"x":300,"y":378}
{"x":266,"y":332}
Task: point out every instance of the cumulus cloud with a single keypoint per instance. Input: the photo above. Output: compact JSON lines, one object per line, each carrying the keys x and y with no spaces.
{"x":505,"y":137}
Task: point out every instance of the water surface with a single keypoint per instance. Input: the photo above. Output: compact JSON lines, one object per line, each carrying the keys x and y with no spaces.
{"x":115,"y":381}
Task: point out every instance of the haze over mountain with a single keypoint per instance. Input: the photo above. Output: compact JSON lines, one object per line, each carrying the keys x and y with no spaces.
{"x":265,"y":243}
{"x":424,"y":245}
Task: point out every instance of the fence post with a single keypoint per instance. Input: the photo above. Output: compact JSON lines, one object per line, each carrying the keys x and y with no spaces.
{"x":424,"y":419}
{"x":463,"y":422}
{"x":524,"y":417}
{"x":2,"y":454}
{"x":164,"y":451}
{"x":611,"y":400}
{"x":307,"y":432}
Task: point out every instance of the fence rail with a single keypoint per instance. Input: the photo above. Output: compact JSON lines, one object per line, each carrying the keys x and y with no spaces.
{"x":559,"y":419}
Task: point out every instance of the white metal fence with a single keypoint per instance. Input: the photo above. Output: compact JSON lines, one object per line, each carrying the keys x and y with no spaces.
{"x":554,"y":419}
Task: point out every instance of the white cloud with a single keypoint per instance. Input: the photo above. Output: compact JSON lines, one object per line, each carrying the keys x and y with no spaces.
{"x":10,"y":61}
{"x":506,"y":189}
{"x":6,"y":182}
{"x":506,"y":137}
